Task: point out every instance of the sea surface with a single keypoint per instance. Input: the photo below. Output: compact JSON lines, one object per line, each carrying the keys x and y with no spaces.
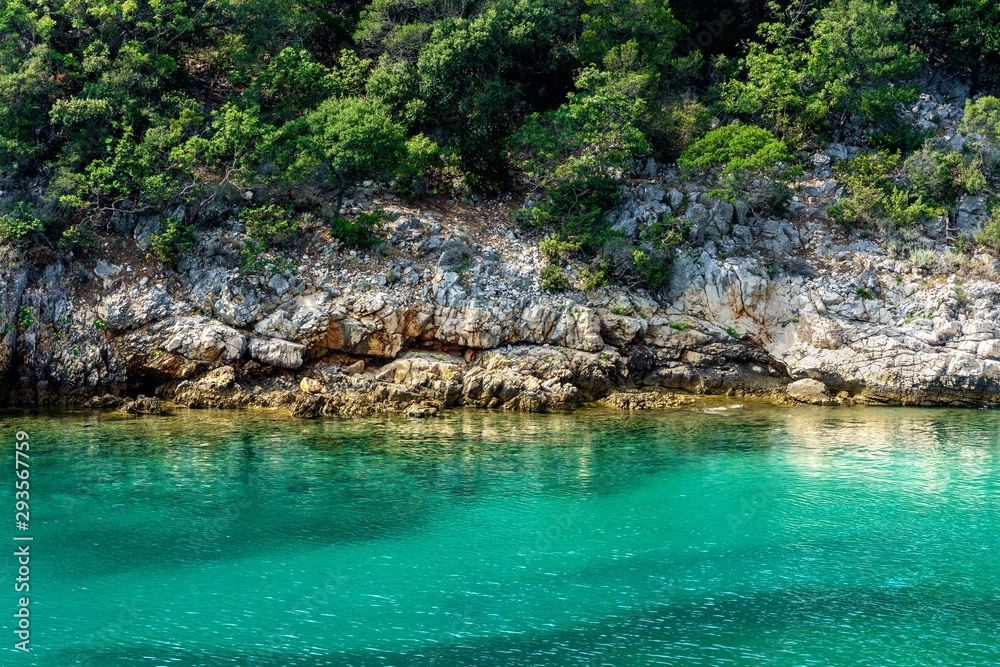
{"x":731,"y":535}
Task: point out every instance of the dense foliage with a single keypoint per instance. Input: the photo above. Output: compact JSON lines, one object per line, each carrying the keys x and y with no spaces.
{"x":182,"y":106}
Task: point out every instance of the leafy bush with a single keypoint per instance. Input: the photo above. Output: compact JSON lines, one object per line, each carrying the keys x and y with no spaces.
{"x":593,"y":130}
{"x":904,"y":210}
{"x":754,"y":164}
{"x":173,"y":240}
{"x":675,"y":124}
{"x":647,"y":27}
{"x":851,"y":63}
{"x":903,"y":138}
{"x":575,"y":209}
{"x":78,"y":236}
{"x":291,"y":81}
{"x":19,"y":223}
{"x":359,"y":233}
{"x":867,"y":180}
{"x":553,"y":278}
{"x":25,"y":318}
{"x":944,"y":177}
{"x":982,"y":117}
{"x":646,"y":264}
{"x":929,"y":174}
{"x":988,"y":235}
{"x":422,"y":155}
{"x":981,"y":121}
{"x":970,"y":177}
{"x":354,"y":138}
{"x":594,"y":277}
{"x":964,"y":32}
{"x":553,"y":247}
{"x":268,"y":224}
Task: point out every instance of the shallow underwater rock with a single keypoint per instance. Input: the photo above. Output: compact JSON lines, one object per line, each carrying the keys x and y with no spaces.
{"x":421,"y":411}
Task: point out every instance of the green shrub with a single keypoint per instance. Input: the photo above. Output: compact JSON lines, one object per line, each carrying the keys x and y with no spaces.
{"x":421,"y":155}
{"x":981,"y":121}
{"x":753,"y":165}
{"x":982,"y":117}
{"x":963,"y":243}
{"x":553,"y":278}
{"x":867,"y":180}
{"x":173,"y":240}
{"x":291,"y":81}
{"x":903,"y":138}
{"x":575,"y":209}
{"x":905,"y":211}
{"x":594,"y":277}
{"x":353,"y":138}
{"x":642,"y":265}
{"x":929,"y":174}
{"x":19,"y":223}
{"x":78,"y":236}
{"x":988,"y":235}
{"x":554,"y":247}
{"x":970,"y":177}
{"x":944,"y":177}
{"x":675,"y":124}
{"x":359,"y":233}
{"x":25,"y":318}
{"x":851,"y":62}
{"x":596,"y":128}
{"x":268,"y":224}
{"x":646,"y":27}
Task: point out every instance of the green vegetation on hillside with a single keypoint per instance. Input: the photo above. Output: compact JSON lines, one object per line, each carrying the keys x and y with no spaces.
{"x":111,"y":108}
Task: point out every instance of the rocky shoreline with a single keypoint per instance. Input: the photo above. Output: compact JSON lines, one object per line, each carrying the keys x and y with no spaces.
{"x":449,"y":312}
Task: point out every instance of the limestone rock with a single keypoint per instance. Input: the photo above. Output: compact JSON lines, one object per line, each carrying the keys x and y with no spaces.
{"x":201,"y":338}
{"x":277,"y":352}
{"x":105,"y":401}
{"x":421,"y":411}
{"x":142,"y":405}
{"x":645,"y":400}
{"x":311,"y":386}
{"x":356,"y":367}
{"x":810,"y":391}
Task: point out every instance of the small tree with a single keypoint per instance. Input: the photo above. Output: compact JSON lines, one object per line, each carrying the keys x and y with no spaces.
{"x":853,"y":62}
{"x":594,"y":130}
{"x":354,"y":137}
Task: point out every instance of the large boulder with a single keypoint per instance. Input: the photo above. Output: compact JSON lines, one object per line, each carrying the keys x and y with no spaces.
{"x":203,"y":339}
{"x":809,"y":391}
{"x":277,"y":352}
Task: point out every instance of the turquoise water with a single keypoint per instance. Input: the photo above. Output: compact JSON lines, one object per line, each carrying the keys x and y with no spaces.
{"x":762,"y":536}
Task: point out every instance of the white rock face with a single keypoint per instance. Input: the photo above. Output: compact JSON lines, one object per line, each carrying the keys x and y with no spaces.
{"x":277,"y":352}
{"x":199,"y":338}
